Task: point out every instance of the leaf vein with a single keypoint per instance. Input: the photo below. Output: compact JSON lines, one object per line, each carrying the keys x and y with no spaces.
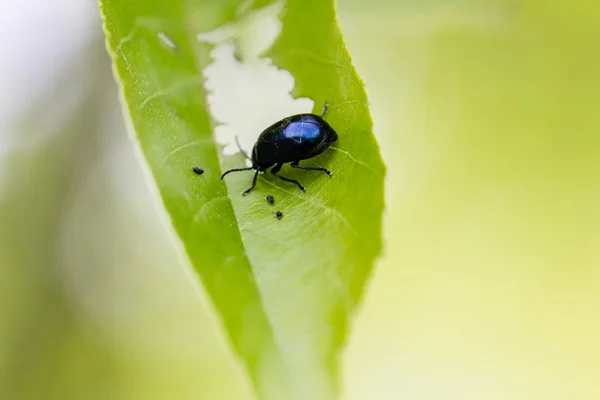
{"x":327,"y":209}
{"x":181,"y":147}
{"x":193,"y":81}
{"x":357,"y":161}
{"x":325,"y":61}
{"x":202,"y":210}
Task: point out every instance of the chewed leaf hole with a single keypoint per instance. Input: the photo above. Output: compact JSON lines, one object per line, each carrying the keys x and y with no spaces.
{"x":246,"y":92}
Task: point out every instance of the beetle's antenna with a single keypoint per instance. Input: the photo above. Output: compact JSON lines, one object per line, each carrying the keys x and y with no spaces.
{"x":240,"y":147}
{"x":325,"y":107}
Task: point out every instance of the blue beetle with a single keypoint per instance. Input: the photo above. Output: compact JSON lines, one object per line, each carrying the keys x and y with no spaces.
{"x":290,"y":140}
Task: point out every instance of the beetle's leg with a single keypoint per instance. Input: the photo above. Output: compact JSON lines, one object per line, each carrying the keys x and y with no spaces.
{"x":295,"y":165}
{"x":253,"y":183}
{"x":235,"y":170}
{"x":276,"y":169}
{"x":325,"y":107}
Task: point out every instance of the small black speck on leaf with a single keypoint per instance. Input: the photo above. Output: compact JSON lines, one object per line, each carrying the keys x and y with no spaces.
{"x":198,"y":170}
{"x":271,"y":199}
{"x":278,"y":214}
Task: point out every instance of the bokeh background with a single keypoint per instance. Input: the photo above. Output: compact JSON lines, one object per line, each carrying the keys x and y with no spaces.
{"x":489,"y":287}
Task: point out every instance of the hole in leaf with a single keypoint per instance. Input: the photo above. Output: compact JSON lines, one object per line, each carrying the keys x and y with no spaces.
{"x":247,"y":93}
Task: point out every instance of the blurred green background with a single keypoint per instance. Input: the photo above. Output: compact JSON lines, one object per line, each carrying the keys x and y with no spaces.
{"x":489,"y":286}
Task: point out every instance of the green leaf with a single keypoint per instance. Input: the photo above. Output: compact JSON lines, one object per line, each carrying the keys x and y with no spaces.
{"x":284,"y":290}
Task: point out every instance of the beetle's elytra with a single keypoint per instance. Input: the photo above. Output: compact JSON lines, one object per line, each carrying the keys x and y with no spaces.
{"x":290,"y":140}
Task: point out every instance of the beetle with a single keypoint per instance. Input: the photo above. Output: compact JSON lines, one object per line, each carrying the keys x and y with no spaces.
{"x":295,"y":138}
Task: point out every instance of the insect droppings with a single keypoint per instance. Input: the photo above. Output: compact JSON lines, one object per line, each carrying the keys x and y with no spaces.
{"x":278,"y":214}
{"x":198,"y":170}
{"x":271,"y":199}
